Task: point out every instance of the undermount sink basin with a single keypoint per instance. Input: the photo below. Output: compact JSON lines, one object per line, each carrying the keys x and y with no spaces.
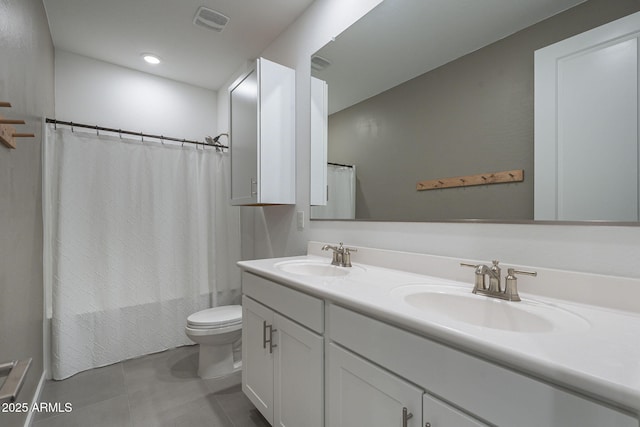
{"x":314,"y":268}
{"x":460,"y":305}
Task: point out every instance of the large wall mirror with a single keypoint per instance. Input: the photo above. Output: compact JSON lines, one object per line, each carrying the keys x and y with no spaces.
{"x":432,"y":90}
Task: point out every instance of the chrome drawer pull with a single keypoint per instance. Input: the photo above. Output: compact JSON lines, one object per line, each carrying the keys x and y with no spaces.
{"x":264,"y":334}
{"x":406,"y":416}
{"x":271,"y":344}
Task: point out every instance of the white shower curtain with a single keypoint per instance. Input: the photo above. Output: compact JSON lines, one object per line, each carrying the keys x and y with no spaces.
{"x":341,"y":188}
{"x":138,"y":235}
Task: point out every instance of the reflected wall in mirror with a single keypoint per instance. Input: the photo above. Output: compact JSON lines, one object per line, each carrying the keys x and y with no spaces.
{"x":423,"y":90}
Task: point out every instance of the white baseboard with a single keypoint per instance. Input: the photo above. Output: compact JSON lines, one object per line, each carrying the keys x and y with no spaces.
{"x":36,"y":399}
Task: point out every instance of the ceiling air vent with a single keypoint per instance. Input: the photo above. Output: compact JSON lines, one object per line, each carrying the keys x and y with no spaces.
{"x":319,"y":63}
{"x":209,"y":18}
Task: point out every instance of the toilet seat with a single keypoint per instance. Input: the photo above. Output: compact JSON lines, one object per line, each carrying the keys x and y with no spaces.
{"x":217,"y":317}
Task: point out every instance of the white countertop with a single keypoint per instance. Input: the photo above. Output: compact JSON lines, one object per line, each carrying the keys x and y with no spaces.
{"x":598,"y":356}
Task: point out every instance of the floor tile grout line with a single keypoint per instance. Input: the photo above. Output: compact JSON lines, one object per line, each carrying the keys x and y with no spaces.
{"x":224,"y":411}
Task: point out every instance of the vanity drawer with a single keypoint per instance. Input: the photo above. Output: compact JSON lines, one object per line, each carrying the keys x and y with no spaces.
{"x":298,"y":306}
{"x":486,"y":390}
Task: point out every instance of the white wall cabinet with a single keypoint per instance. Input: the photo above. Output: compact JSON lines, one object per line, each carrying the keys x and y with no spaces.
{"x":262,"y":135}
{"x":586,"y":125}
{"x":283,"y":363}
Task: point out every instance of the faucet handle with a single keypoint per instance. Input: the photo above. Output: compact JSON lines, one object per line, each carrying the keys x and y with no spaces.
{"x":480,"y":271}
{"x":511,"y":283}
{"x":346,"y":256}
{"x":466,"y":264}
{"x":528,"y":273}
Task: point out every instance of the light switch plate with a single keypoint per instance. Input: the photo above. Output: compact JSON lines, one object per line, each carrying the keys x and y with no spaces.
{"x":300,"y":220}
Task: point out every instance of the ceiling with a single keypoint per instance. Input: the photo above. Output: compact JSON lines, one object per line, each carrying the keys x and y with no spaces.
{"x":401,"y":39}
{"x":119,"y":31}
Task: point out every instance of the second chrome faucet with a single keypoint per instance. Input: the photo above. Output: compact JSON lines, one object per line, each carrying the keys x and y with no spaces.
{"x":494,"y":287}
{"x":341,"y":255}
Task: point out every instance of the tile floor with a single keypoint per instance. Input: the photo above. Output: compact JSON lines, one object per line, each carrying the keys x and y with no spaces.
{"x":161,"y":389}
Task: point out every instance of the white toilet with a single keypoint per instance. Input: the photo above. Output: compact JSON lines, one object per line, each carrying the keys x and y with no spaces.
{"x":218,"y":330}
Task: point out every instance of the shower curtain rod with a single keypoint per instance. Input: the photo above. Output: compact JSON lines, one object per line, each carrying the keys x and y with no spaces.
{"x":340,"y":164}
{"x":216,"y":144}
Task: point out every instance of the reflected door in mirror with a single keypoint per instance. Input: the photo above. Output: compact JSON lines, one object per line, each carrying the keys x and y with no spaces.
{"x":586,"y":125}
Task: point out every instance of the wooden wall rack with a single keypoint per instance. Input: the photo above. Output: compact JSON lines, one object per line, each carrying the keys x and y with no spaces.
{"x":8,"y":133}
{"x":516,"y":175}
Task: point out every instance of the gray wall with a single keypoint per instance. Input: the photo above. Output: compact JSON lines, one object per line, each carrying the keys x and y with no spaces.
{"x":26,"y":80}
{"x":473,"y":115}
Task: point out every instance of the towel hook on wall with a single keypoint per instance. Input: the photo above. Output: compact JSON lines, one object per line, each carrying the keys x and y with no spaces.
{"x":8,"y":133}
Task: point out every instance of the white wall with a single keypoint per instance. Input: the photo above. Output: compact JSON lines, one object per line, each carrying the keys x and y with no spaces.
{"x":26,"y":81}
{"x":271,"y":231}
{"x":99,"y":93}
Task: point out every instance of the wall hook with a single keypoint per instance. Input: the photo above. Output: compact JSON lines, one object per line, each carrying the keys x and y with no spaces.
{"x":516,"y":175}
{"x":8,"y":133}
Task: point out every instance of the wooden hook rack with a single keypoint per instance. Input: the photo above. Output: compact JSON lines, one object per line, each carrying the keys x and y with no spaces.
{"x":516,"y":175}
{"x":8,"y":133}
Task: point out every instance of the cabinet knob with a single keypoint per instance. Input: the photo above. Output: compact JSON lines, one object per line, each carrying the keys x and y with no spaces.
{"x":406,"y":416}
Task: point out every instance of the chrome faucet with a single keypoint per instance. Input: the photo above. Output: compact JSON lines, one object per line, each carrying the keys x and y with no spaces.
{"x":494,"y":289}
{"x":341,"y":255}
{"x":495,"y":277}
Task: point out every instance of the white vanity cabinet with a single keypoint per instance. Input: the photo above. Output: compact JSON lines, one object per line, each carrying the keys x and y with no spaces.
{"x":486,"y":391}
{"x":262,"y":135}
{"x":333,"y":360}
{"x":283,"y":363}
{"x":436,"y":413}
{"x":362,"y":394}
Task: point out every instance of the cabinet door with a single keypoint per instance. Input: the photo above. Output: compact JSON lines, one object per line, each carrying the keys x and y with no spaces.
{"x":363,"y":394}
{"x":244,"y":139}
{"x":298,"y":376}
{"x":276,"y":143}
{"x":257,"y":356}
{"x":436,"y":413}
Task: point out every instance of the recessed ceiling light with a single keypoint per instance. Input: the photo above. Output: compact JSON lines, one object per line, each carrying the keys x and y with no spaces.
{"x":151,"y":59}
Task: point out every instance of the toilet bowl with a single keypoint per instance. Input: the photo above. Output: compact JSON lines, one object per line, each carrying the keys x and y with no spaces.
{"x":218,"y":330}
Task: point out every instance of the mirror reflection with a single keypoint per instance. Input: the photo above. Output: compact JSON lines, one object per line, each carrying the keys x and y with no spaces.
{"x":427,"y":91}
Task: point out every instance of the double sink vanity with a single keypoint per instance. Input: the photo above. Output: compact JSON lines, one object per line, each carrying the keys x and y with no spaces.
{"x":400,"y":339}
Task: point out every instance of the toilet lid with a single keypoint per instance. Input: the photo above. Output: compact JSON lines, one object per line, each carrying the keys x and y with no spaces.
{"x":225,"y":315}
